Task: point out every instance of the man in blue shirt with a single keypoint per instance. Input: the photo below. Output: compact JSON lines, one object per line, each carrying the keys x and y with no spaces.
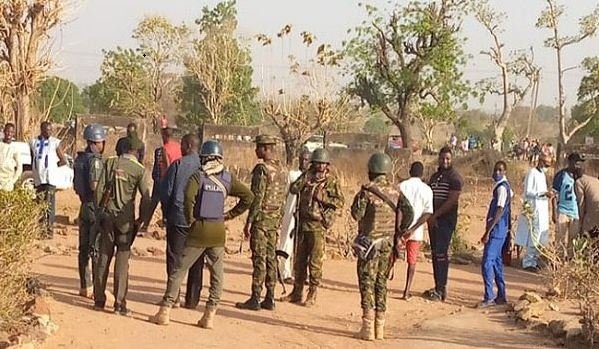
{"x":565,"y":206}
{"x":496,"y":233}
{"x":172,"y":192}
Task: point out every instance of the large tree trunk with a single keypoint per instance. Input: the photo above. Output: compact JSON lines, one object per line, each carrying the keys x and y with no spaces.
{"x":291,"y":151}
{"x":563,"y":135}
{"x":22,"y":117}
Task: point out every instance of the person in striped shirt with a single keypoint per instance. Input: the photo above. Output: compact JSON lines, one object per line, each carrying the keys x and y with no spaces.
{"x":447,"y":185}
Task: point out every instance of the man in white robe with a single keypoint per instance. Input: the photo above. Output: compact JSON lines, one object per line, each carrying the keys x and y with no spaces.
{"x":286,"y":248}
{"x":533,"y":227}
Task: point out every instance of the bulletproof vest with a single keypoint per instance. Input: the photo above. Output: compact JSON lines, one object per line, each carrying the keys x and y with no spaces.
{"x":210,"y":200}
{"x":379,"y":218}
{"x":276,"y":187}
{"x":81,"y":182}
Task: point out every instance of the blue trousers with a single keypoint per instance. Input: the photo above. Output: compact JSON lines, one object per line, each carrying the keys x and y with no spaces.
{"x":492,"y":269}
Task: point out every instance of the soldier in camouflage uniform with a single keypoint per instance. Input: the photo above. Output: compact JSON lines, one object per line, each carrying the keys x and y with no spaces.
{"x":375,"y":210}
{"x":269,"y":186}
{"x":88,"y":166}
{"x":121,"y":178}
{"x":320,"y":197}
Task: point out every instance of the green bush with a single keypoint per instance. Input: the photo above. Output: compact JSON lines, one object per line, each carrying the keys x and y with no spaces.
{"x":19,"y":227}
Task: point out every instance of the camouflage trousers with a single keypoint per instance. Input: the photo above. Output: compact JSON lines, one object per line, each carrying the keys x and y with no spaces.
{"x":263,"y":243}
{"x":309,"y":255}
{"x":372,"y":278}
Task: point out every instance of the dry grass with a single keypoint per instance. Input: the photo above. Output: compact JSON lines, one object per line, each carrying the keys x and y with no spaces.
{"x":19,"y":227}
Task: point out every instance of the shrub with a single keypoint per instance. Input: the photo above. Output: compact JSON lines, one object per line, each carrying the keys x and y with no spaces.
{"x":19,"y":227}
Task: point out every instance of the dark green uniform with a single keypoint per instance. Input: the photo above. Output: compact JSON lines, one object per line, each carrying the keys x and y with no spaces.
{"x":87,"y":226}
{"x":315,"y":218}
{"x":117,"y":224}
{"x":376,"y":220}
{"x":269,"y":185}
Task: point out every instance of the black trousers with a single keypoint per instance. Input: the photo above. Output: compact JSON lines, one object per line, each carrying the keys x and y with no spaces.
{"x":175,"y":244}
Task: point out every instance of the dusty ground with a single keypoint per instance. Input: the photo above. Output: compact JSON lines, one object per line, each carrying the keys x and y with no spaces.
{"x":332,"y":323}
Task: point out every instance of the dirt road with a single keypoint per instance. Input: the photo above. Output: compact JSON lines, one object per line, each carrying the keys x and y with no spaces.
{"x":332,"y":323}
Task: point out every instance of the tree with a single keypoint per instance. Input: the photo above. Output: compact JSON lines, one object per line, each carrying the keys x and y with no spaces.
{"x":126,"y":83}
{"x":96,"y":98}
{"x":162,"y":45}
{"x":550,"y":19}
{"x":58,"y":99}
{"x":407,"y":64}
{"x":313,"y":105}
{"x":25,"y":28}
{"x":509,"y":90}
{"x":218,"y":71}
{"x":376,"y":124}
{"x":585,"y":113}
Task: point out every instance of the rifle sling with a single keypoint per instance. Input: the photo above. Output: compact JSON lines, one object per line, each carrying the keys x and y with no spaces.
{"x":374,"y":190}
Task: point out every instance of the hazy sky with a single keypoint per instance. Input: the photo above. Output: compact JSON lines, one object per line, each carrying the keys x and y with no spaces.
{"x":105,"y":24}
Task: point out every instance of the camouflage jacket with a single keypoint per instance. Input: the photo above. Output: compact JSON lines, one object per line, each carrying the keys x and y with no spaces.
{"x":270,"y":181}
{"x":317,"y":215}
{"x":375,"y":217}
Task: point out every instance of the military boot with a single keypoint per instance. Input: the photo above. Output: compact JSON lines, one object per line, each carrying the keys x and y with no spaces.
{"x":251,"y":304}
{"x":311,"y":298}
{"x":367,"y":331}
{"x":207,"y":320}
{"x":269,"y":301}
{"x":379,"y":325}
{"x":295,"y":296}
{"x":162,"y":317}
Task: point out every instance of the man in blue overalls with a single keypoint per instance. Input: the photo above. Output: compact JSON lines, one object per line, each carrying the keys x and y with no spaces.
{"x":496,"y":232}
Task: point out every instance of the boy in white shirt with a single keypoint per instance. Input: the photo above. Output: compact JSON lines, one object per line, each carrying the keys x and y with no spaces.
{"x":420,"y":196}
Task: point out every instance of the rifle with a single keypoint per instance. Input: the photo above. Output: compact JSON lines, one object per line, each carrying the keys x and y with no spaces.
{"x":101,"y":216}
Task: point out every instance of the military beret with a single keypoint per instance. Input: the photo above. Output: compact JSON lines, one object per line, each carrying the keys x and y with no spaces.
{"x":132,"y":144}
{"x":266,"y":139}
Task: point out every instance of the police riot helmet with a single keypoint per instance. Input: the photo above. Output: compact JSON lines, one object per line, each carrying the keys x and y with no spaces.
{"x":94,"y":133}
{"x":211,"y":148}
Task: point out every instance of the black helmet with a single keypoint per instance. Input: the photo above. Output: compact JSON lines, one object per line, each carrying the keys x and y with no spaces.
{"x":211,"y":148}
{"x":379,"y":163}
{"x":94,"y":133}
{"x":320,"y":155}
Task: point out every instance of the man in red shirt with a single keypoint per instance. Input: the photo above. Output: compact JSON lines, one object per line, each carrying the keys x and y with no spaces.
{"x":163,"y":158}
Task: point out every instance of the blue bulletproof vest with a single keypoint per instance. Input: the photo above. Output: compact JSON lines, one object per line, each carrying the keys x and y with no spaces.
{"x":81,"y":182}
{"x":210,"y":201}
{"x":504,"y":225}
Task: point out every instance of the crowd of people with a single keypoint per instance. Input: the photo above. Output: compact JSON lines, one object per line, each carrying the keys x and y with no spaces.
{"x":290,"y":213}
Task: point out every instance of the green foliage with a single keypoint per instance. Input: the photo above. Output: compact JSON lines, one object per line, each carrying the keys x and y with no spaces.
{"x":60,"y":99}
{"x":19,"y":228}
{"x":407,"y":64}
{"x":376,"y":124}
{"x":96,"y":98}
{"x":588,"y":98}
{"x":126,"y":83}
{"x":217,"y":86}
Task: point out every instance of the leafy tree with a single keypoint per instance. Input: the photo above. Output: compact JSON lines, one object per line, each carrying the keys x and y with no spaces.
{"x":96,"y":98}
{"x":58,"y":99}
{"x":550,"y":19}
{"x":217,"y":87}
{"x":407,"y":64}
{"x":586,"y":112}
{"x":376,"y":124}
{"x":126,"y":83}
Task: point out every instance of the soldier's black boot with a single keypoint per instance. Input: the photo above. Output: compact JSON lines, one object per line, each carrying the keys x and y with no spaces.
{"x":269,"y":301}
{"x":251,"y":304}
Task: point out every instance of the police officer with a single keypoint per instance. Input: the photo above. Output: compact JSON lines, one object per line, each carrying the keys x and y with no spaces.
{"x":374,"y":207}
{"x":115,"y":195}
{"x":88,"y":166}
{"x":204,"y":204}
{"x":269,"y":185}
{"x":320,"y":197}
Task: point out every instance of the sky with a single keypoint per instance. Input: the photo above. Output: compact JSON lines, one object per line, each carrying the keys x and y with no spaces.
{"x":105,"y":24}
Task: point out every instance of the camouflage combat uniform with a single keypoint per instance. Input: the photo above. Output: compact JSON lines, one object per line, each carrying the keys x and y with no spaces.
{"x":376,"y":219}
{"x":315,"y":218}
{"x":269,"y":185}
